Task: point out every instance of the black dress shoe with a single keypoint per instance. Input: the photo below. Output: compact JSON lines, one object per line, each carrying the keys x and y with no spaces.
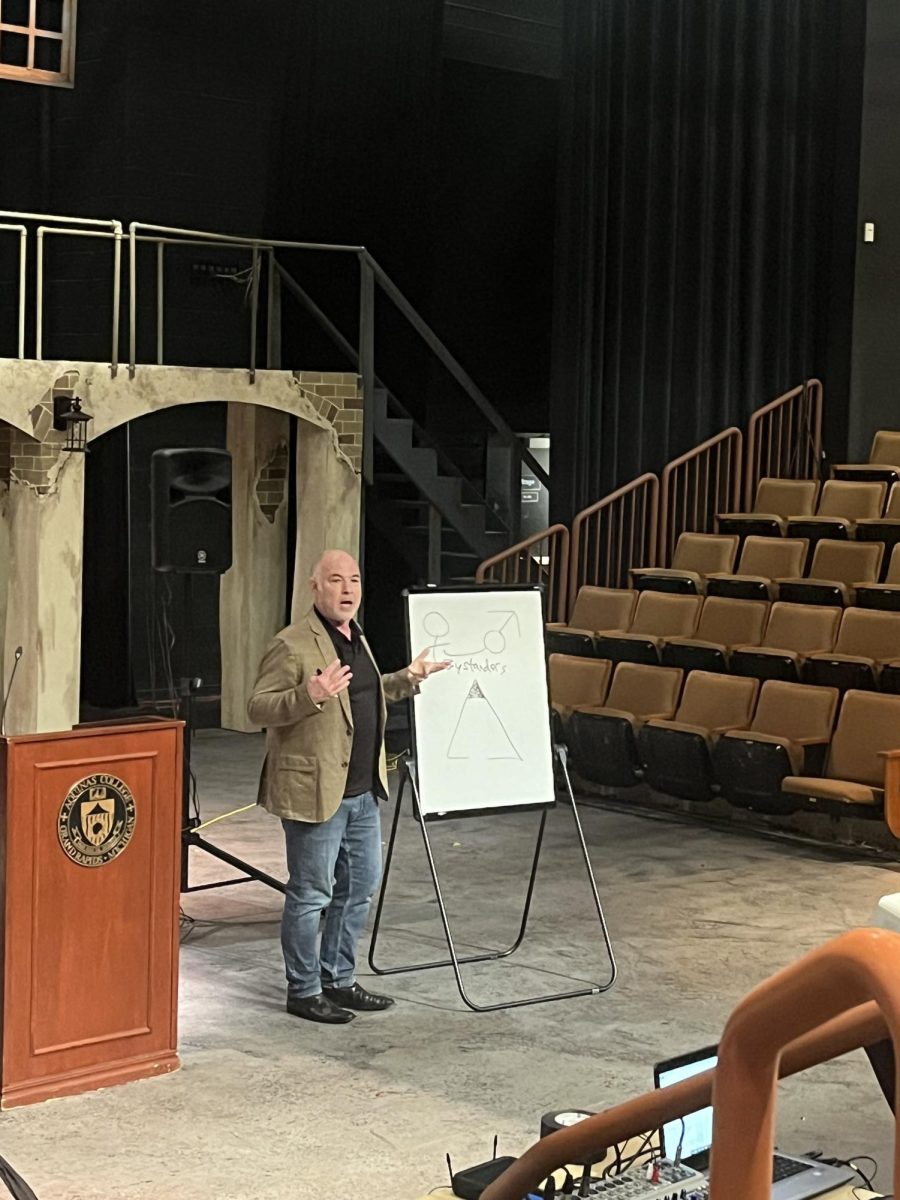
{"x":319,"y":1008}
{"x":358,"y":998}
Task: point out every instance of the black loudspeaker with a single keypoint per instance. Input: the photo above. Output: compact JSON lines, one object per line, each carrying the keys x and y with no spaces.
{"x":190,"y":526}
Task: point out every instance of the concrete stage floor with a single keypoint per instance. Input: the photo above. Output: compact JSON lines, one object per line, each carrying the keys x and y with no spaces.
{"x":269,"y":1106}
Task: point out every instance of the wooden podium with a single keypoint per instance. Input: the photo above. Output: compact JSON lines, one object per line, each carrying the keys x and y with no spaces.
{"x":90,"y":846}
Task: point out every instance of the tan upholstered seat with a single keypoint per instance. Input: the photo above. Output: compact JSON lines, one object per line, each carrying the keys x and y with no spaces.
{"x":841,"y":504}
{"x":656,"y":616}
{"x":789,"y":735}
{"x":869,"y":723}
{"x":676,"y":753}
{"x":712,"y":703}
{"x":638,"y":693}
{"x":866,"y":640}
{"x":776,"y":501}
{"x":602,"y":737}
{"x":595,"y":608}
{"x":723,"y":623}
{"x":884,"y":595}
{"x":696,"y":556}
{"x":884,"y":529}
{"x":763,"y":560}
{"x":575,"y":680}
{"x":793,"y":632}
{"x":884,"y":460}
{"x":835,"y":570}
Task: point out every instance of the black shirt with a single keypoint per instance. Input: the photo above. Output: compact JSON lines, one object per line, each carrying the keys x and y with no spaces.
{"x":365,"y":700}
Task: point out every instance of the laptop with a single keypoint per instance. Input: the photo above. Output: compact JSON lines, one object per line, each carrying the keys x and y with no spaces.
{"x":689,"y":1140}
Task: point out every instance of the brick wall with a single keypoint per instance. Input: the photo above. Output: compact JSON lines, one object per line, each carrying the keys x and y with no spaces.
{"x":271,"y":486}
{"x":338,"y":398}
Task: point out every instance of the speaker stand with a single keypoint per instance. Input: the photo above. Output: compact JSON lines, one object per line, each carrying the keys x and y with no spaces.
{"x":191,"y":823}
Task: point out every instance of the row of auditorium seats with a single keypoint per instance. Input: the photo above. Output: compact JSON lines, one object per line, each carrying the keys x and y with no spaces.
{"x":796,"y":508}
{"x":771,"y":569}
{"x":843,"y":648}
{"x":775,"y":748}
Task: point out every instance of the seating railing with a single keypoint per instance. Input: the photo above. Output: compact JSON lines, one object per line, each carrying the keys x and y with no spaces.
{"x":696,"y":486}
{"x":784,"y":438}
{"x":542,"y":558}
{"x":844,"y":995}
{"x":615,"y":534}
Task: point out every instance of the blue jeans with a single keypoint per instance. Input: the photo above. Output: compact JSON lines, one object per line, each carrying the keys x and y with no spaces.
{"x":335,"y":864}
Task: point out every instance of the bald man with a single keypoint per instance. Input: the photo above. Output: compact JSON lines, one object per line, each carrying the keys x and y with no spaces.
{"x":322,"y":701}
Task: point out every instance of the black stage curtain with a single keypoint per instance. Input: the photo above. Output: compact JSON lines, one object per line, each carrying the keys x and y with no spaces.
{"x":705,"y":224}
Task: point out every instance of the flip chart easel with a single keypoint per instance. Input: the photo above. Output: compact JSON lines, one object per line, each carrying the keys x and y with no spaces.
{"x":481,"y":737}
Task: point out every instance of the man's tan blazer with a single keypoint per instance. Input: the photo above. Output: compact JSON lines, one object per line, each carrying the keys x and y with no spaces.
{"x":308,"y":745}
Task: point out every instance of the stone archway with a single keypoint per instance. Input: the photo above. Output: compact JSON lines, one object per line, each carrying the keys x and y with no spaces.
{"x":45,"y":509}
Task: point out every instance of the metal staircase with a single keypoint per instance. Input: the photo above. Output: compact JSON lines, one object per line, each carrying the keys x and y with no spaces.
{"x":443,"y":508}
{"x":424,"y":503}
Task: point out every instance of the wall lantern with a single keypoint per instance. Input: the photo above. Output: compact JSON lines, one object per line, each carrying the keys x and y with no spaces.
{"x":69,"y":419}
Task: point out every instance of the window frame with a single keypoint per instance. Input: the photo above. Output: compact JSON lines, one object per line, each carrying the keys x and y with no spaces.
{"x":65,"y":76}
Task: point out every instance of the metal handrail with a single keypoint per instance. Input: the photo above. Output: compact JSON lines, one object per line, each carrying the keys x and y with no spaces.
{"x":698,"y":511}
{"x":457,"y":371}
{"x":115,"y":233}
{"x":372,"y":276}
{"x":838,"y":998}
{"x":554,"y":572}
{"x":636,"y":530}
{"x":447,"y":465}
{"x":800,"y":407}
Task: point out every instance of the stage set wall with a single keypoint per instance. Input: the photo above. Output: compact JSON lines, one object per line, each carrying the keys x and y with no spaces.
{"x":681,"y":206}
{"x":42,"y":534}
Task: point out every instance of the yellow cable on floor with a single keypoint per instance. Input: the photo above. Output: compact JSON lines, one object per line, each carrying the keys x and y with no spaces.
{"x":234,"y":812}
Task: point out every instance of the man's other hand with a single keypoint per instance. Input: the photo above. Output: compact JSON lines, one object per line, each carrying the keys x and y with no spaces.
{"x":330,"y":682}
{"x":419,"y":669}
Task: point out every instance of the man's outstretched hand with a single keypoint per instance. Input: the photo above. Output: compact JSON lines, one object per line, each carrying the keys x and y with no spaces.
{"x":331,"y":682}
{"x":419,"y":669}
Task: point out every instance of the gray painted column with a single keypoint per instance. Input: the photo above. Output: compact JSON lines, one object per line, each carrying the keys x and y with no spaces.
{"x":328,"y":497}
{"x":252,"y":595}
{"x":44,"y":600}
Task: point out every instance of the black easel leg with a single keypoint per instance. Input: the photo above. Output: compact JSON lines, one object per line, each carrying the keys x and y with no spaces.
{"x":486,"y":956}
{"x":454,"y":960}
{"x":562,"y":756}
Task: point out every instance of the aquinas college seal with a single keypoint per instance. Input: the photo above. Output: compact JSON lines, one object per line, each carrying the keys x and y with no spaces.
{"x":96,"y":820}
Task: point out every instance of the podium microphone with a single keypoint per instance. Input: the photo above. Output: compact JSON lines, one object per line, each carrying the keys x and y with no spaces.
{"x":9,"y":687}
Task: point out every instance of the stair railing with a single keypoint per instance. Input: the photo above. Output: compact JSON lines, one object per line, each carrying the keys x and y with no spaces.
{"x":613,"y":535}
{"x":543,"y":559}
{"x":842,"y":996}
{"x":696,"y":486}
{"x":784,"y":438}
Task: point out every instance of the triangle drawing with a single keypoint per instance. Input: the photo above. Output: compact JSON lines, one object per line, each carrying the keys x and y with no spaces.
{"x":479,"y":731}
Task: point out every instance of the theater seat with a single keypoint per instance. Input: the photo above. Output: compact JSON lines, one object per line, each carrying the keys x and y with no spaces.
{"x":576,"y":681}
{"x":869,"y":723}
{"x":776,"y":501}
{"x":696,"y":556}
{"x":837,"y":567}
{"x":794,"y":631}
{"x":866,"y":641}
{"x":656,"y":616}
{"x":789,"y":735}
{"x":763,"y":560}
{"x":594,"y":608}
{"x":723,"y":623}
{"x":602,"y":737}
{"x":884,"y":460}
{"x":884,"y":596}
{"x":884,"y":529}
{"x":841,"y":504}
{"x":676,"y":755}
